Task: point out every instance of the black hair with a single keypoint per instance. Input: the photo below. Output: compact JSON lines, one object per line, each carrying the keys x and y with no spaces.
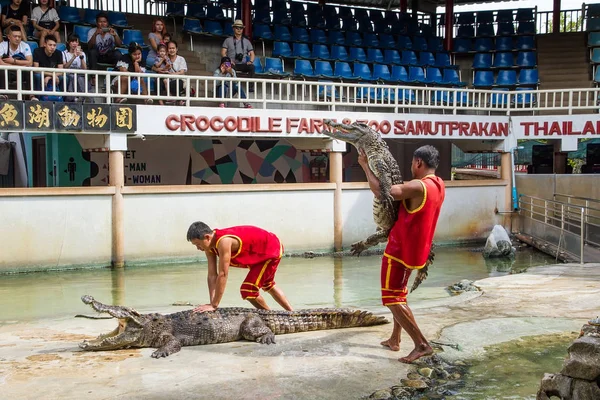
{"x":174,"y":42}
{"x":429,"y":154}
{"x":73,"y":37}
{"x":50,"y":37}
{"x":101,"y":15}
{"x":161,"y":45}
{"x":133,"y":47}
{"x":197,"y":230}
{"x":14,"y":28}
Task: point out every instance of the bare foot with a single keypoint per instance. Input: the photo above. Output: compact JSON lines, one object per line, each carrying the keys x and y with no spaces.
{"x":418,"y":352}
{"x":392,"y":345}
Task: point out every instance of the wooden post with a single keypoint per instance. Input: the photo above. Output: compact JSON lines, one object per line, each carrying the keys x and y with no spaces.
{"x":335,"y":176}
{"x":117,"y":179}
{"x":506,"y":175}
{"x":449,"y":25}
{"x":556,"y":16}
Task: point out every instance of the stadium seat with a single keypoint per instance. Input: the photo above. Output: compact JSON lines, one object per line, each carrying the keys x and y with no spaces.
{"x":526,"y":59}
{"x":357,"y":54}
{"x":274,"y":67}
{"x":300,"y":34}
{"x":399,"y":74}
{"x":318,"y":36}
{"x":320,"y":51}
{"x":419,"y":43}
{"x":89,"y":16}
{"x":463,"y":45}
{"x":525,"y":99}
{"x":353,"y":39}
{"x":595,"y":58}
{"x":301,"y":50}
{"x":381,"y":72}
{"x":196,"y":10}
{"x":259,"y":69}
{"x":214,"y":28}
{"x":505,"y":29}
{"x":118,"y":20}
{"x":483,"y":44}
{"x":529,"y":77}
{"x":191,"y":26}
{"x":466,"y":18}
{"x":61,"y":46}
{"x":404,"y":43}
{"x":349,"y":24}
{"x":333,"y":23}
{"x":504,"y":43}
{"x":485,"y":30}
{"x":442,"y":60}
{"x":525,"y":43}
{"x":363,"y":71}
{"x":82,"y":32}
{"x":592,"y":24}
{"x":323,"y":69}
{"x":433,"y":76}
{"x":374,"y":55}
{"x":451,"y":76}
{"x":416,"y":74}
{"x":593,"y":10}
{"x":506,"y":77}
{"x":504,"y":16}
{"x":282,"y":17}
{"x":465,"y":31}
{"x":524,"y":14}
{"x":594,"y":39}
{"x":485,"y":17}
{"x":483,"y":79}
{"x":526,"y":28}
{"x":435,"y":44}
{"x":499,"y":97}
{"x":262,"y":31}
{"x":503,"y":59}
{"x":343,"y":71}
{"x":336,"y":38}
{"x":262,"y":16}
{"x":281,"y":49}
{"x":339,"y":53}
{"x":282,"y":33}
{"x":133,"y":35}
{"x":482,"y":61}
{"x":370,"y":40}
{"x":303,"y":69}
{"x":386,"y":41}
{"x":392,"y":57}
{"x":214,"y":13}
{"x":426,"y":58}
{"x":409,"y":58}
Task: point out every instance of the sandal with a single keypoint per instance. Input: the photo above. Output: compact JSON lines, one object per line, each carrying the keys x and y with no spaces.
{"x":120,"y":100}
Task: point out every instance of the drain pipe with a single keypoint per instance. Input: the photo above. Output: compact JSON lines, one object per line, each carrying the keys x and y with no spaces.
{"x":515,"y":198}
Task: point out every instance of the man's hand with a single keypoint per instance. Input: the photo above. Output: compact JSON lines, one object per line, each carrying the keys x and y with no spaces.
{"x":362,"y":159}
{"x":204,"y":308}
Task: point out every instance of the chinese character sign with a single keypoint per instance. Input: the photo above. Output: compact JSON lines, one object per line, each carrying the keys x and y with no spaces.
{"x":37,"y":115}
{"x":11,"y":115}
{"x":69,"y":117}
{"x":96,"y":117}
{"x":123,"y":118}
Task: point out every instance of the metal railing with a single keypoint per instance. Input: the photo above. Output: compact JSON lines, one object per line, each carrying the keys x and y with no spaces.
{"x":570,"y":227}
{"x":290,"y":93}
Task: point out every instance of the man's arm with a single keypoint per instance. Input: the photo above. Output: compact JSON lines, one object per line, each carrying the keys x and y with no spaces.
{"x":224,"y":249}
{"x":92,"y":37}
{"x":211,"y":278}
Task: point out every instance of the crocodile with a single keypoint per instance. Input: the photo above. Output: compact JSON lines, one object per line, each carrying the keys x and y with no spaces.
{"x":169,"y":332}
{"x":385,"y":167}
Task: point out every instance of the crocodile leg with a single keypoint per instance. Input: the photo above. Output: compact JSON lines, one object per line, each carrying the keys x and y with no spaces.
{"x":172,"y":345}
{"x":376,"y":238}
{"x":254,"y":328}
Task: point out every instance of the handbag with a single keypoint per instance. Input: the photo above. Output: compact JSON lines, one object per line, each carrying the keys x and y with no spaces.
{"x":46,"y":24}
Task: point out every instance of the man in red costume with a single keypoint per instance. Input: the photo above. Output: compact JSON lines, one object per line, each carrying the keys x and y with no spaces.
{"x":409,"y":242}
{"x":243,"y":247}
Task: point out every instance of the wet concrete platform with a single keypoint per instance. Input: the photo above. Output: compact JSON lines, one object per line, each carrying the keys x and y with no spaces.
{"x":41,"y":360}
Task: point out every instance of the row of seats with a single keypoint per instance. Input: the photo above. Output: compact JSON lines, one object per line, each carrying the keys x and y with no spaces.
{"x":506,"y":78}
{"x":71,"y":15}
{"x":524,"y":59}
{"x":339,"y":53}
{"x":129,"y":36}
{"x":487,"y":17}
{"x":502,"y":29}
{"x":208,"y":27}
{"x":319,"y":36}
{"x":197,"y":10}
{"x":506,"y":43}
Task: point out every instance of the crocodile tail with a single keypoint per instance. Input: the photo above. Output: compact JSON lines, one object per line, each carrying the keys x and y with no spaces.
{"x":421,"y":276}
{"x":320,"y":319}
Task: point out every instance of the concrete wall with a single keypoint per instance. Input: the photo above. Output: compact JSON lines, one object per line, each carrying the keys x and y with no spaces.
{"x":51,"y":231}
{"x":546,"y":185}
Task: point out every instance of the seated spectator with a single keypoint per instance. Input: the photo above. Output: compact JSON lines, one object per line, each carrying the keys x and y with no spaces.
{"x":177,"y":66}
{"x":162,"y":63}
{"x":226,"y":70}
{"x":155,"y":38}
{"x":75,"y":58}
{"x":166,"y":38}
{"x":16,"y":52}
{"x":45,"y":20}
{"x":48,"y":57}
{"x":102,"y":41}
{"x":15,"y":14}
{"x":239,"y":50}
{"x":131,"y":62}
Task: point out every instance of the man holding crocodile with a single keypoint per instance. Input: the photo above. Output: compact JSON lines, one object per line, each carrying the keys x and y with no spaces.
{"x":409,"y":241}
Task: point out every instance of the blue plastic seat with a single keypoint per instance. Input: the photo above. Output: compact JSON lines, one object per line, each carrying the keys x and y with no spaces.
{"x":61,"y":46}
{"x":365,"y":25}
{"x":342,"y":71}
{"x":262,"y":16}
{"x":324,"y":69}
{"x":329,"y":11}
{"x":298,"y":19}
{"x":336,"y":38}
{"x":506,"y":77}
{"x":409,"y":57}
{"x":399,"y":74}
{"x":391,"y":57}
{"x":69,"y":15}
{"x":259,"y":69}
{"x":301,"y":50}
{"x":281,"y":49}
{"x":594,"y":39}
{"x":300,"y":34}
{"x":89,"y":16}
{"x":592,"y":24}
{"x":463,"y":45}
{"x":505,"y":29}
{"x":483,"y":78}
{"x":526,"y":28}
{"x":333,"y":23}
{"x":32,"y":45}
{"x":525,"y":43}
{"x":318,"y":36}
{"x":374,"y":55}
{"x":499,"y":98}
{"x":433,"y":76}
{"x":363,"y":71}
{"x":482,"y":61}
{"x":595,"y":59}
{"x":426,"y":58}
{"x":526,"y":59}
{"x":451,"y":76}
{"x":435,"y":44}
{"x":442,"y":60}
{"x":353,"y":39}
{"x":404,"y":43}
{"x":416,"y":74}
{"x":419,"y":43}
{"x":386,"y":41}
{"x":282,"y":17}
{"x":282,"y":33}
{"x":118,"y":19}
{"x":227,"y":29}
{"x":316,"y":19}
{"x":525,"y":99}
{"x":504,"y":59}
{"x":381,"y":72}
{"x":370,"y":40}
{"x":133,"y":35}
{"x":361,"y":13}
{"x":357,"y":54}
{"x":391,"y":17}
{"x":303,"y":69}
{"x":262,"y":31}
{"x":504,"y":16}
{"x":504,"y":43}
{"x":196,"y":10}
{"x":214,"y":28}
{"x":82,"y":32}
{"x":524,"y":14}
{"x":376,"y":15}
{"x":529,"y":77}
{"x":465,"y":31}
{"x":593,"y":10}
{"x":339,"y":53}
{"x":485,"y":17}
{"x":483,"y":44}
{"x":485,"y":30}
{"x":274,"y":67}
{"x":426,"y":30}
{"x":320,"y":51}
{"x":191,"y":26}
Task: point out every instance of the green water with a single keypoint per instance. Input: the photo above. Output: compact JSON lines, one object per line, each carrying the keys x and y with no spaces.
{"x":317,"y":282}
{"x":513,"y":370}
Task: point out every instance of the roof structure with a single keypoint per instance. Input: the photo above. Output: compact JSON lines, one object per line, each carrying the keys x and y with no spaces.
{"x":395,"y":4}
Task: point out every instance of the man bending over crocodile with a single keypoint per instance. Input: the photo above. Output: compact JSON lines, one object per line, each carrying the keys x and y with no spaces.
{"x":243,"y":247}
{"x":409,"y":242}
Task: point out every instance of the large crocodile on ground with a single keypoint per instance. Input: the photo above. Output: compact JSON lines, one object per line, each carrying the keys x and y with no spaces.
{"x":384,"y":166}
{"x":170,"y":332}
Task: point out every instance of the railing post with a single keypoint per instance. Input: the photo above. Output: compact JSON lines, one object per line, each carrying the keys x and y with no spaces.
{"x":582,"y":235}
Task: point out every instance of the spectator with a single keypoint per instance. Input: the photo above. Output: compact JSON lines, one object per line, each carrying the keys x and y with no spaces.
{"x":16,"y":52}
{"x":47,"y":57}
{"x":226,"y":70}
{"x":102,"y":41}
{"x":178,"y":66}
{"x":45,"y":20}
{"x":162,"y":63}
{"x":15,"y":14}
{"x":240,"y":51}
{"x":131,"y":62}
{"x":75,"y":58}
{"x":166,"y":38}
{"x":155,"y":38}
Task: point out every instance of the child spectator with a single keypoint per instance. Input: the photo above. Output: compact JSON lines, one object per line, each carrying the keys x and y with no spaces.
{"x":75,"y":58}
{"x":162,"y":64}
{"x":226,"y":70}
{"x":166,"y":38}
{"x":45,"y":20}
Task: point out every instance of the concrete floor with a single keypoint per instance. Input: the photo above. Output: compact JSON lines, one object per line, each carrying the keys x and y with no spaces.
{"x":41,"y":360}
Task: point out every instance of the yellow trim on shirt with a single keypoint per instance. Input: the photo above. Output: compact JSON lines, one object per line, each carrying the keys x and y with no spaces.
{"x":233,"y":236}
{"x":401,"y":262}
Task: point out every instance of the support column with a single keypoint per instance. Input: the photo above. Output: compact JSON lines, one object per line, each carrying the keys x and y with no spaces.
{"x":556,"y":17}
{"x":403,"y":6}
{"x":506,"y":175}
{"x":117,"y":179}
{"x":247,"y":18}
{"x":336,"y":176}
{"x":449,"y":20}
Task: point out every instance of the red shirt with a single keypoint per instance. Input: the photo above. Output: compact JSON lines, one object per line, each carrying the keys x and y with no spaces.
{"x":256,"y":245}
{"x":411,"y":236}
